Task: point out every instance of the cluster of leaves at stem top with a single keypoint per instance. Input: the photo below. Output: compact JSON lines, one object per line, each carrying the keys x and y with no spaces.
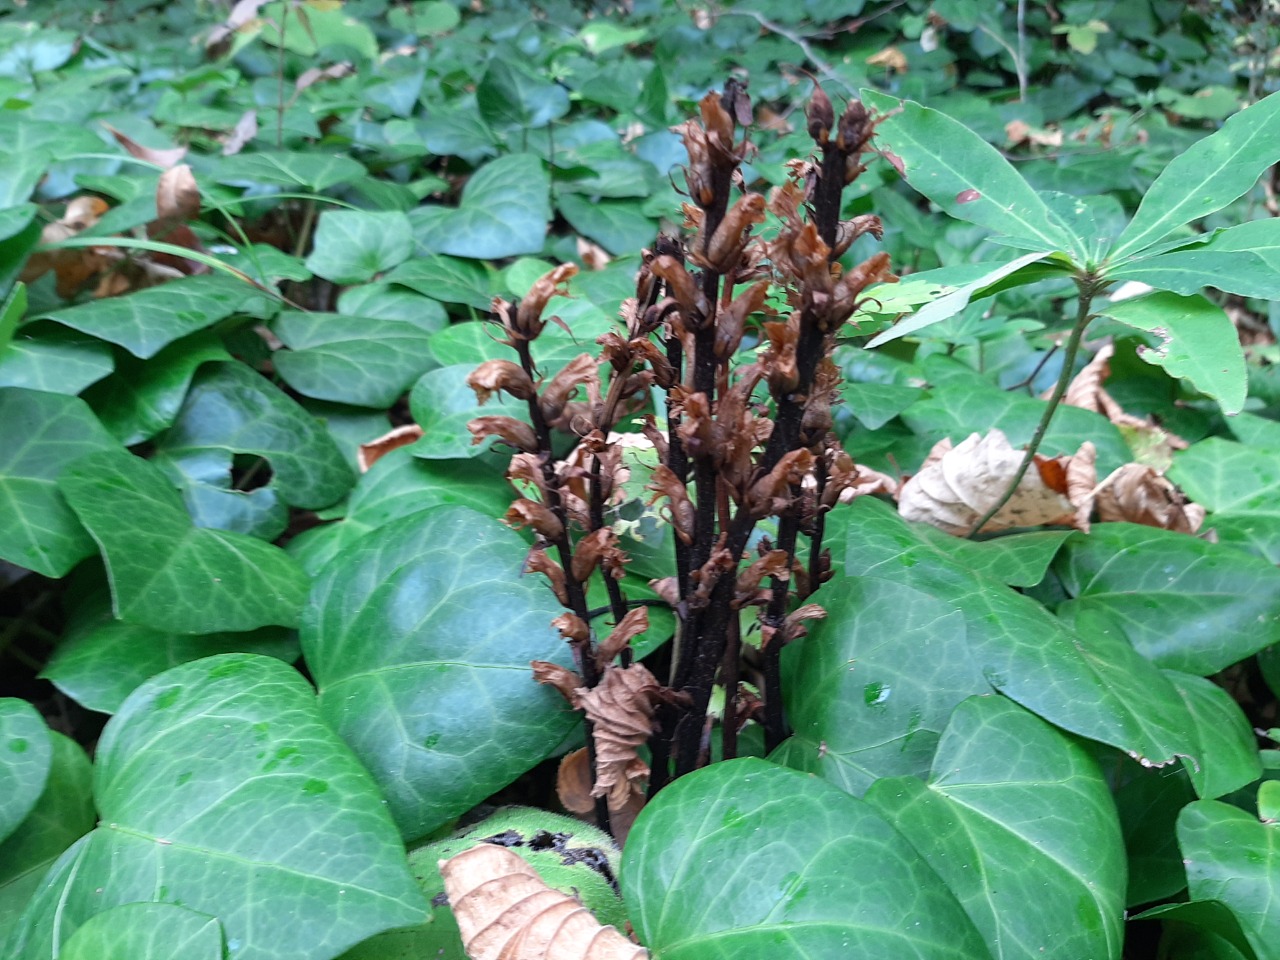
{"x":738,"y":443}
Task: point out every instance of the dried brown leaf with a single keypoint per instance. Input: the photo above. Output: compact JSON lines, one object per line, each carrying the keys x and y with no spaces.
{"x":177,"y":196}
{"x":621,"y":709}
{"x":1136,"y":493}
{"x":562,"y":678}
{"x":370,"y":453}
{"x":161,"y":158}
{"x":246,"y":129}
{"x":506,"y":912}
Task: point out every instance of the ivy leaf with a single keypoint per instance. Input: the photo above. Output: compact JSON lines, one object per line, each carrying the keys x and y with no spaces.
{"x":353,"y":246}
{"x":54,"y":359}
{"x":832,"y":879}
{"x":1239,"y":484}
{"x":165,"y":572}
{"x":231,"y":409}
{"x":220,"y":787}
{"x":511,"y":96}
{"x":147,"y":931}
{"x":504,"y":212}
{"x":362,"y":361}
{"x":1208,"y":176}
{"x":620,"y":226}
{"x":1199,"y":609}
{"x":419,"y":640}
{"x":447,"y":279}
{"x":312,"y":171}
{"x":147,"y":321}
{"x":1198,"y":343}
{"x":25,"y":757}
{"x":40,"y":434}
{"x":989,"y":819}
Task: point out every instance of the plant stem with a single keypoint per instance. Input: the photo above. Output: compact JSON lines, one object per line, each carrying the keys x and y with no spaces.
{"x":1089,"y":287}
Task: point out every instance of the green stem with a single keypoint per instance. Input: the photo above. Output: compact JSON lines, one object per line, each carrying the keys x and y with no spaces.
{"x":1089,"y":287}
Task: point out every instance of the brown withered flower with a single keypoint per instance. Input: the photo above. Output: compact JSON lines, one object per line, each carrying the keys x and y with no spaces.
{"x":493,"y":376}
{"x":507,"y":429}
{"x":529,"y":513}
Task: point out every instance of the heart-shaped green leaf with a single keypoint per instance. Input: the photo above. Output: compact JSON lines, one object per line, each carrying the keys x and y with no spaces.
{"x":357,"y":360}
{"x":504,"y":211}
{"x":990,"y":821}
{"x":145,"y":322}
{"x":311,"y":170}
{"x":620,"y":226}
{"x":165,"y":572}
{"x":54,"y":359}
{"x":1239,"y":484}
{"x":1233,"y":858}
{"x":1198,"y":343}
{"x":40,"y":434}
{"x":61,"y":815}
{"x":512,"y":96}
{"x":1199,"y":608}
{"x":231,"y":409}
{"x":419,"y":640}
{"x":146,"y":931}
{"x":25,"y":756}
{"x":446,"y":279}
{"x":220,"y":788}
{"x":353,"y":246}
{"x":748,"y":859}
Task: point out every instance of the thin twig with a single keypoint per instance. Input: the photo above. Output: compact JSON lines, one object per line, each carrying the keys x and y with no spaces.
{"x":1089,"y":287}
{"x":806,"y":48}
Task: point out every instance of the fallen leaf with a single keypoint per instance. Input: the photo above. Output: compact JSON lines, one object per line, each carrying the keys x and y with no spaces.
{"x":161,"y":158}
{"x":620,"y":707}
{"x":1136,"y":493}
{"x":506,"y":912}
{"x":73,"y":268}
{"x":957,"y":485}
{"x":592,"y":255}
{"x":246,"y":129}
{"x":370,"y":453}
{"x":315,"y":74}
{"x":891,"y":58}
{"x":573,"y":787}
{"x":177,"y":196}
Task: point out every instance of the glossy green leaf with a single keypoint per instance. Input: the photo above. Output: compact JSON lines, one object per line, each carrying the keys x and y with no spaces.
{"x":144,"y":396}
{"x":40,"y":434}
{"x":357,"y":360}
{"x":1197,"y":343}
{"x":146,"y":931}
{"x":1227,"y":740}
{"x":101,"y":660}
{"x":165,"y":572}
{"x":446,"y":279}
{"x":1198,"y":608}
{"x":1208,"y":176}
{"x":397,"y":485}
{"x":1203,"y":929}
{"x":385,"y":301}
{"x":424,"y":18}
{"x":55,"y":360}
{"x":148,"y":320}
{"x":748,"y":859}
{"x":993,"y":821}
{"x":419,"y":640}
{"x":1239,"y":484}
{"x":1233,"y":858}
{"x":963,"y":174}
{"x":952,"y":303}
{"x":504,"y":211}
{"x":19,"y":235}
{"x":620,"y":226}
{"x":354,"y":246}
{"x":443,"y":405}
{"x":230,"y":409}
{"x":220,"y":788}
{"x":62,"y":814}
{"x":1018,"y":559}
{"x":25,"y":757}
{"x":311,"y":170}
{"x":1243,"y":259}
{"x":509,"y":95}
{"x":875,"y":404}
{"x":1149,"y":800}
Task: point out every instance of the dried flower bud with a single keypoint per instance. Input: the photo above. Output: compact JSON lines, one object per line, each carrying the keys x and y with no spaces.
{"x":664,"y":374}
{"x":656,"y":437}
{"x":633,"y":623}
{"x":495,"y":375}
{"x":528,"y":321}
{"x":821,"y":115}
{"x":779,"y":362}
{"x":538,"y":562}
{"x":850,"y":230}
{"x":793,"y":627}
{"x":581,"y":370}
{"x":775,"y":563}
{"x":723,"y":251}
{"x":589,"y":550}
{"x":732,"y":320}
{"x":526,"y":468}
{"x":718,"y":125}
{"x":529,"y":513}
{"x":665,"y":483}
{"x":856,"y":128}
{"x":682,"y":287}
{"x":772,"y":493}
{"x":507,"y":429}
{"x":573,"y":628}
{"x":563,"y":679}
{"x":668,"y":589}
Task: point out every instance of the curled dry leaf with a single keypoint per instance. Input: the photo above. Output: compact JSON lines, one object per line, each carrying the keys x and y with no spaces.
{"x":506,"y":912}
{"x":621,"y":709}
{"x":72,"y":267}
{"x":573,"y":788}
{"x":957,"y":485}
{"x":1139,"y":494}
{"x":246,"y":129}
{"x":161,"y":158}
{"x":373,"y":451}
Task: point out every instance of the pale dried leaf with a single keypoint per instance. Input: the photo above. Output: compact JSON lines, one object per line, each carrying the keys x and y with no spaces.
{"x":161,"y":158}
{"x":592,"y":255}
{"x":891,"y":58}
{"x":177,"y":196}
{"x":956,"y":487}
{"x":246,"y":129}
{"x":1136,"y":493}
{"x":505,"y":912}
{"x":1082,"y":483}
{"x":621,"y":709}
{"x":315,"y":74}
{"x":370,"y":453}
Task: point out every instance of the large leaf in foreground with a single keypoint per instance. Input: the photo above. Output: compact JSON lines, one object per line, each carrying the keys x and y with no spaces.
{"x":1198,"y":607}
{"x":1239,"y":484}
{"x":145,"y":322}
{"x":146,"y":931}
{"x":1208,"y":176}
{"x":353,"y":246}
{"x":419,"y":639}
{"x":221,"y":789}
{"x":963,"y":174}
{"x":164,"y":571}
{"x":748,"y":859}
{"x":40,"y":434}
{"x":1233,"y":858}
{"x":25,"y":755}
{"x":1018,"y":821}
{"x":1198,"y":343}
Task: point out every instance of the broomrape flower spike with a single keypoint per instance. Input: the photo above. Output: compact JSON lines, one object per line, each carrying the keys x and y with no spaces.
{"x":743,"y":442}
